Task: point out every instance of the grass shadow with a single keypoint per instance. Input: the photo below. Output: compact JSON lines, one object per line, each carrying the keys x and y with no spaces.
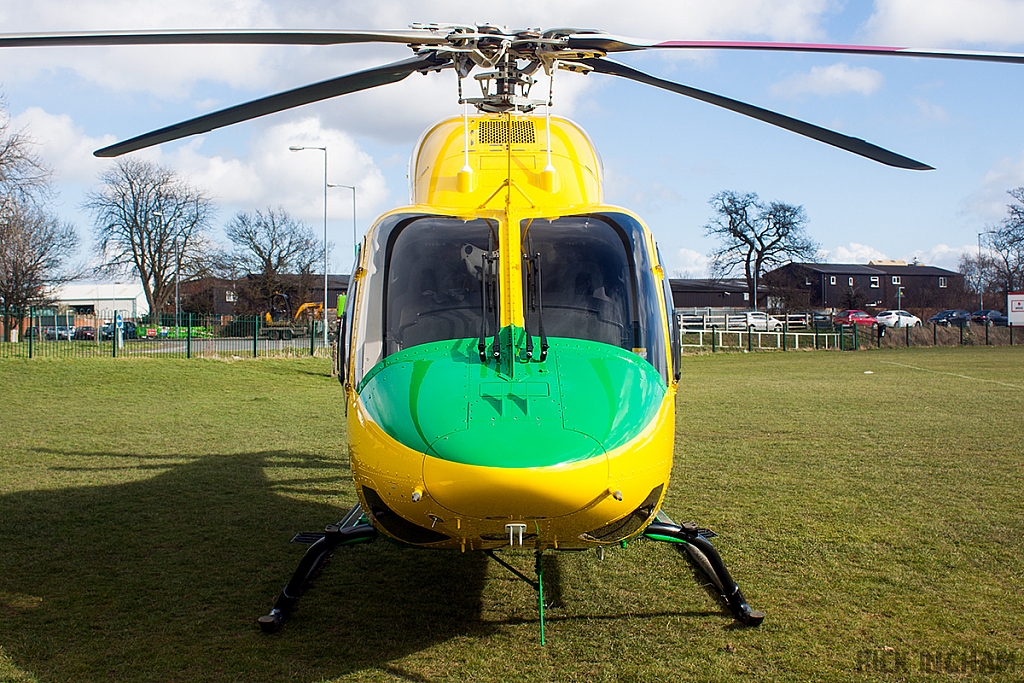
{"x":162,"y":579}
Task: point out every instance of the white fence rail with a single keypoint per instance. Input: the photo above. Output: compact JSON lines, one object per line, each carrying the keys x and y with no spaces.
{"x":747,"y":339}
{"x":709,"y":319}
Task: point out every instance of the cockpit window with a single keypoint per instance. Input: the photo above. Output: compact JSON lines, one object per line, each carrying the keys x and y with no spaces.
{"x":596,"y":283}
{"x":435,"y":271}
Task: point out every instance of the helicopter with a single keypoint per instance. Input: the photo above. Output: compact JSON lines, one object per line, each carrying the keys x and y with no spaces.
{"x":509,"y":352}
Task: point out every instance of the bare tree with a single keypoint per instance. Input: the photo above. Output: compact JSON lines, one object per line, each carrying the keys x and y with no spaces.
{"x":269,"y":245}
{"x":1005,"y":243}
{"x":756,"y":237}
{"x":34,"y":246}
{"x":981,"y":274}
{"x":24,"y":178}
{"x":151,"y":223}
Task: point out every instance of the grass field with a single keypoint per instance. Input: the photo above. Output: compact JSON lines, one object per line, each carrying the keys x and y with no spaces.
{"x":146,"y":507}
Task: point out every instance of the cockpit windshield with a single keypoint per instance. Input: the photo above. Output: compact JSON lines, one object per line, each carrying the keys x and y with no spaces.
{"x":596,"y":282}
{"x":425,"y":280}
{"x":436,"y":270}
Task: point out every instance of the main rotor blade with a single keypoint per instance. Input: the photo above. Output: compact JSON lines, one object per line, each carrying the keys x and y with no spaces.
{"x":830,"y":137}
{"x":222,"y":36}
{"x":609,"y":43}
{"x":343,"y":85}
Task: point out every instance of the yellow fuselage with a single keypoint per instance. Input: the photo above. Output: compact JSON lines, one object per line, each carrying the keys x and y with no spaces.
{"x":509,"y":174}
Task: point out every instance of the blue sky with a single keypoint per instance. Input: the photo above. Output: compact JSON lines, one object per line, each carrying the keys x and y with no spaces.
{"x":664,"y":155}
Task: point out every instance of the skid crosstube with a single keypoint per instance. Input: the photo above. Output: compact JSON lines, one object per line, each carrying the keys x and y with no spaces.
{"x":353,"y":529}
{"x":707,"y":559}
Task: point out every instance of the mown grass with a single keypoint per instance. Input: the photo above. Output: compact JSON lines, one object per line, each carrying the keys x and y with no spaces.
{"x":146,"y":505}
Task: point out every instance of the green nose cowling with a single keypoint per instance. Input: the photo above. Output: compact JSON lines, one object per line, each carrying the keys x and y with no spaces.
{"x":584,"y":400}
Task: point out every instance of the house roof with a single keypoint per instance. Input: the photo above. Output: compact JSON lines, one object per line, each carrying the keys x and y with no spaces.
{"x":876,"y":268}
{"x":840,"y":268}
{"x":731,"y":285}
{"x":918,"y":270}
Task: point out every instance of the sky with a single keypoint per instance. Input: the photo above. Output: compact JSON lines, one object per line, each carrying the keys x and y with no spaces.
{"x":664,"y":155}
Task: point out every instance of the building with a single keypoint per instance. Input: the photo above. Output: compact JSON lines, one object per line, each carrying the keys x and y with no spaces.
{"x":879,"y":284}
{"x":704,"y":294}
{"x":101,"y":299}
{"x":219,"y":296}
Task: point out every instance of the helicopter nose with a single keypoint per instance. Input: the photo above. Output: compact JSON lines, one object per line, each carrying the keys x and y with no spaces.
{"x":535,"y":443}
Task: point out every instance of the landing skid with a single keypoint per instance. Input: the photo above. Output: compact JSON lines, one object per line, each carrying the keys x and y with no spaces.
{"x":692,"y":541}
{"x":353,"y":529}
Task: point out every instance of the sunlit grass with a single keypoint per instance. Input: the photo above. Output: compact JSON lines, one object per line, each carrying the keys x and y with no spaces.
{"x":146,"y":505}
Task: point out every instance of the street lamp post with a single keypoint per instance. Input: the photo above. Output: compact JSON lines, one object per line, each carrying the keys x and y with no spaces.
{"x":299,"y":148}
{"x":981,"y":288}
{"x":355,"y":244}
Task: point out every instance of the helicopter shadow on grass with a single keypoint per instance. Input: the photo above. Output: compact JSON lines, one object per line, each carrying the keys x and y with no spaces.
{"x":162,"y":579}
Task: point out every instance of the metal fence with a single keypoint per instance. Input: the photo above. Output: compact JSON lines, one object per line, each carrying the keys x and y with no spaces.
{"x":184,"y":336}
{"x":850,"y":337}
{"x":193,"y":336}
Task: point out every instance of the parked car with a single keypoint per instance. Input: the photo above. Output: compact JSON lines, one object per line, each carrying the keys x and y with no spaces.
{"x":854,"y":317}
{"x":992,"y":317}
{"x":821,"y":320}
{"x":951,"y":316}
{"x":129,"y":331}
{"x":761,"y":322}
{"x":987,"y":316}
{"x":59,"y":332}
{"x":85,"y":333}
{"x":898,"y":319}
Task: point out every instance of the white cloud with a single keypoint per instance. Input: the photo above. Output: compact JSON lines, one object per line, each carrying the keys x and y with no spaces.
{"x":989,"y":201}
{"x":929,"y":110}
{"x":689,"y":264}
{"x":168,"y":71}
{"x":269,"y":175}
{"x":941,"y":255}
{"x":172,"y":72}
{"x":854,"y":253}
{"x":836,"y":79}
{"x":941,"y":23}
{"x":62,"y":145}
{"x":214,"y":76}
{"x":272,"y":175}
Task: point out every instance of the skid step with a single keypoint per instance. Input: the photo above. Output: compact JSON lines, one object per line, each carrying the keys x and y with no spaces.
{"x":706,"y":533}
{"x":308,"y":537}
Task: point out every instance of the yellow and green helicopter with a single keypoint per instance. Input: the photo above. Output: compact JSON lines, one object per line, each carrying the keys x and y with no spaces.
{"x":509,"y":352}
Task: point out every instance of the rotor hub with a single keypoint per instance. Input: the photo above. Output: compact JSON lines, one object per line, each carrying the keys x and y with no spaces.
{"x":510,"y":58}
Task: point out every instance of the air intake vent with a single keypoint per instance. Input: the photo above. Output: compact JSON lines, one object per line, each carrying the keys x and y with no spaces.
{"x":503,"y":132}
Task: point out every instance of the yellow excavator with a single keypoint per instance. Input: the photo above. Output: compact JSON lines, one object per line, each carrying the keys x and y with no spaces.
{"x":279,"y":323}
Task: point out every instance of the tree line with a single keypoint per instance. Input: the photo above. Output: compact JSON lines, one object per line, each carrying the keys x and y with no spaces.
{"x":153,"y":225}
{"x":998,"y":267}
{"x":149,"y":224}
{"x":756,"y":237}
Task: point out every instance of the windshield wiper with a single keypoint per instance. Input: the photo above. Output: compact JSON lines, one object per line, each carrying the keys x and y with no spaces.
{"x":529,"y":303}
{"x":484,"y":296}
{"x":533,"y":286}
{"x":491,"y":261}
{"x":488,"y":305}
